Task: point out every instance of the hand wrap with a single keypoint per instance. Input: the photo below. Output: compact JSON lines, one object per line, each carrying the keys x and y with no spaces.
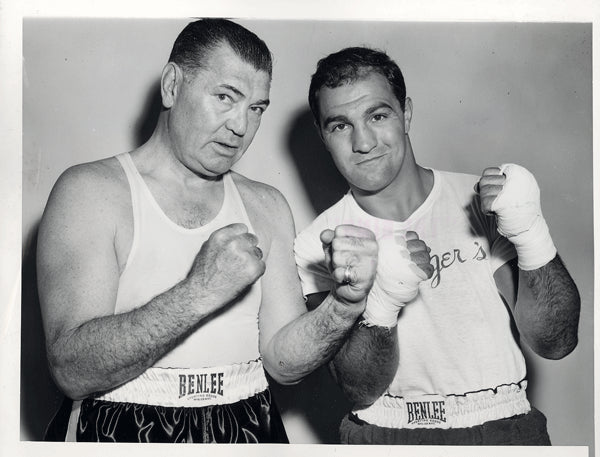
{"x":396,"y":282}
{"x":519,"y":218}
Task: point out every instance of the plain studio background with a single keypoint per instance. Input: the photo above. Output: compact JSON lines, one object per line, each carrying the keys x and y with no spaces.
{"x":483,"y":94}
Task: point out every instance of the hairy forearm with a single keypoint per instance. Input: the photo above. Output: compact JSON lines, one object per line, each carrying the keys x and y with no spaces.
{"x":547,"y":309}
{"x":309,"y":341}
{"x":366,"y":364}
{"x":108,"y":351}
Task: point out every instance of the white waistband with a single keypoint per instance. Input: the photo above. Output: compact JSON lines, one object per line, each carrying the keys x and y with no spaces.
{"x":192,"y":387}
{"x":453,"y":411}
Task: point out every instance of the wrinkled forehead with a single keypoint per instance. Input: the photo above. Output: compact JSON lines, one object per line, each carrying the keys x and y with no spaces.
{"x":223,"y":66}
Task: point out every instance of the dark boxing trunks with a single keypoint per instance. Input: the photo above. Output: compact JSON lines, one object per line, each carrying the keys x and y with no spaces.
{"x":252,"y":420}
{"x":522,"y":430}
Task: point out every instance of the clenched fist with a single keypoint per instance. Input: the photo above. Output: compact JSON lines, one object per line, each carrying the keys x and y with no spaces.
{"x":351,"y":256}
{"x":511,"y":193}
{"x":227,"y":263}
{"x":404,"y":262}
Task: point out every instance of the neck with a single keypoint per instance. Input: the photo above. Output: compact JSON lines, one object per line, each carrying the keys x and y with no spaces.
{"x":402,"y":196}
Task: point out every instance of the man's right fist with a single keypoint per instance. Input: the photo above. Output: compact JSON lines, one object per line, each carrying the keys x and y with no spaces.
{"x":227,"y":263}
{"x":404,"y":262}
{"x":351,"y":256}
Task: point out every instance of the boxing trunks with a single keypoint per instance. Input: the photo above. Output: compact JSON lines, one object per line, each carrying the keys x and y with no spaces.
{"x":234,"y":406}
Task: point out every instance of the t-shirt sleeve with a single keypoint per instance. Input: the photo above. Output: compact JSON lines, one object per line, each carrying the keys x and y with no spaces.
{"x":310,"y":261}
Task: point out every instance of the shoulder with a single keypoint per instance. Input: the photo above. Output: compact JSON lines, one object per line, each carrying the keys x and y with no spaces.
{"x":268,"y":211}
{"x":457,"y":186}
{"x":336,"y":214}
{"x":458,"y":180}
{"x":90,"y":188}
{"x":261,"y":198}
{"x":105,"y":174}
{"x":307,"y":245}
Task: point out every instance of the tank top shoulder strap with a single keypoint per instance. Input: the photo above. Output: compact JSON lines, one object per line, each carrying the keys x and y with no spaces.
{"x":234,"y":199}
{"x":135,"y":190}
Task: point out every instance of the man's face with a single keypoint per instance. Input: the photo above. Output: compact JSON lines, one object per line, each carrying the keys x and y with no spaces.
{"x":363,"y":127}
{"x":217,"y":111}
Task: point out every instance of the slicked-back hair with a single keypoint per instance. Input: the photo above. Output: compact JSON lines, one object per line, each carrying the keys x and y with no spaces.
{"x":352,"y":64}
{"x":200,"y":37}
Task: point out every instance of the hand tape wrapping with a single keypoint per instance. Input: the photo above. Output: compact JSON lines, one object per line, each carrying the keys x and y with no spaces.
{"x":519,"y":218}
{"x":396,"y":282}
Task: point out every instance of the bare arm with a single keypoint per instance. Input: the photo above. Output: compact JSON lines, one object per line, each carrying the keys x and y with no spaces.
{"x":90,"y":349}
{"x":366,"y":364}
{"x":295,"y":342}
{"x":547,"y":306}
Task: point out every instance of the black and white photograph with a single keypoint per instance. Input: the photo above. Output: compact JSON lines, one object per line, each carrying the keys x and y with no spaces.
{"x":326,"y":231}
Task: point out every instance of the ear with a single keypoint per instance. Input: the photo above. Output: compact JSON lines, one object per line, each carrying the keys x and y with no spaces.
{"x":169,"y":84}
{"x":408,"y":110}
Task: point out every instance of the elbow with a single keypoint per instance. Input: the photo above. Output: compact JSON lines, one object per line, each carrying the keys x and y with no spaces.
{"x":64,"y":378}
{"x":65,"y":383}
{"x":555,"y":350}
{"x":361,"y":399}
{"x":280,"y":375}
{"x":361,"y":394}
{"x":559,"y":351}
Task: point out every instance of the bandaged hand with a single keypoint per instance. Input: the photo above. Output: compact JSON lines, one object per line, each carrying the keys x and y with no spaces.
{"x":512,"y":194}
{"x":403,"y":263}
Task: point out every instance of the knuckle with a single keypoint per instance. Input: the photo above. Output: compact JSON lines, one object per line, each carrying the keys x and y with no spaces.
{"x":338,"y":243}
{"x":338,"y":258}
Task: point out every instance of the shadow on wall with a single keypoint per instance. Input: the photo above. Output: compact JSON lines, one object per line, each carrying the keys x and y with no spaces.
{"x":322,"y":182}
{"x":316,"y":401}
{"x":40,"y":398}
{"x":145,"y":125}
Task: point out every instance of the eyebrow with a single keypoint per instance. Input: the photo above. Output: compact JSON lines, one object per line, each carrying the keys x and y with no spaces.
{"x":374,"y":108}
{"x":239,"y":93}
{"x":370,"y":110}
{"x":332,"y":119}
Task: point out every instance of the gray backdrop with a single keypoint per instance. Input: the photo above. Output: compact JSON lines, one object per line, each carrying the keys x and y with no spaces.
{"x":483,"y":94}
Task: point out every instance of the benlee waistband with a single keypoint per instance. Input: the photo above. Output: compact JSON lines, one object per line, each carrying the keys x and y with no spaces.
{"x":192,"y":387}
{"x":452,"y":411}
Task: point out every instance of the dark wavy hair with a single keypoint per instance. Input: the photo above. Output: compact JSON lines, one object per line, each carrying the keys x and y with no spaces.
{"x":198,"y":38}
{"x":352,"y":64}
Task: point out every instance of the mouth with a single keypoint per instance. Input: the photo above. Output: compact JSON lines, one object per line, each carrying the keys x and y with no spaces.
{"x":231,"y":148}
{"x":370,"y":159}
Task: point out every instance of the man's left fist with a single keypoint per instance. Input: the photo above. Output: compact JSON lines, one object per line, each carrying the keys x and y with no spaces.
{"x":512,"y":194}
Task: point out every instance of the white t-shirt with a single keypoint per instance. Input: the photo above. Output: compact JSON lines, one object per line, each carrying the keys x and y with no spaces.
{"x":455,"y":336}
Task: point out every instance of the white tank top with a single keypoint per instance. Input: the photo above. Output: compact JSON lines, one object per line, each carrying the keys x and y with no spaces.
{"x":162,"y":253}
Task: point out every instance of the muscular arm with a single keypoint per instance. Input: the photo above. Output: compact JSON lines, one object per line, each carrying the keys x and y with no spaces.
{"x":366,"y":364}
{"x":294,"y":342}
{"x":90,"y":349}
{"x":547,"y":307}
{"x":309,"y":341}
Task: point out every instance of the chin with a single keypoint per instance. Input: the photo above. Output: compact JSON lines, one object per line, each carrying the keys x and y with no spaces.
{"x":369,"y":187}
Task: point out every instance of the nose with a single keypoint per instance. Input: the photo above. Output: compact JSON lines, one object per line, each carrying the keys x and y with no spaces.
{"x":238,"y":122}
{"x":363,"y":139}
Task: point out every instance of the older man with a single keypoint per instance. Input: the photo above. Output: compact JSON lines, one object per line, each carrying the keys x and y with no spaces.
{"x":165,"y":288}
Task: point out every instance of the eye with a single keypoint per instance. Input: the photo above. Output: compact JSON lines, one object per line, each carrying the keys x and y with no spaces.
{"x":339,"y":127}
{"x":258,"y":109}
{"x":225,"y":98}
{"x":379,"y":117}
